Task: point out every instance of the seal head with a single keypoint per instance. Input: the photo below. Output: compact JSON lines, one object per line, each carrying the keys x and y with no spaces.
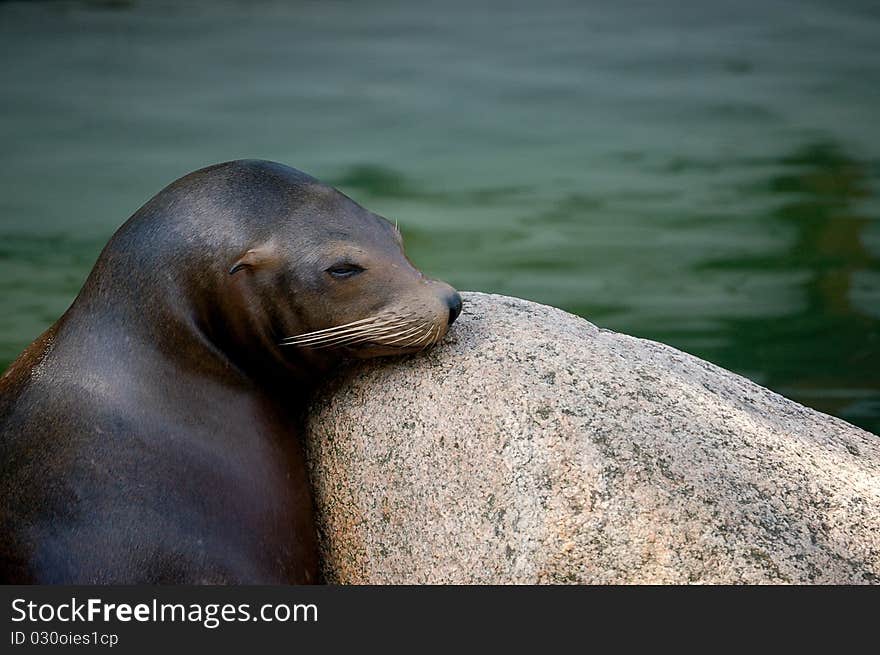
{"x":319,"y":277}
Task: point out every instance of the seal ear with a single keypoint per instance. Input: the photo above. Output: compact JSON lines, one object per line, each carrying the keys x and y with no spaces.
{"x":253,"y":258}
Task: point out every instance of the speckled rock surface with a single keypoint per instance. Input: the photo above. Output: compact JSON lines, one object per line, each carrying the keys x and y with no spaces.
{"x":534,"y":447}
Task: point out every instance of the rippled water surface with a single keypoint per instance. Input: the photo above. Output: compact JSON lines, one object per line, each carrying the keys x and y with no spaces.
{"x":706,"y":174}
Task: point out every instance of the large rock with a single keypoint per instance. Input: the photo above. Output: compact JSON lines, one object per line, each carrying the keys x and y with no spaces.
{"x":534,"y":447}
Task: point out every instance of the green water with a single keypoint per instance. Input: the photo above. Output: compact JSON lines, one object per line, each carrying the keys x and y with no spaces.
{"x":705,"y":174}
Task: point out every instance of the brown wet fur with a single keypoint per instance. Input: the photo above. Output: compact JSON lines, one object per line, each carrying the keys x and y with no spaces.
{"x":151,"y":435}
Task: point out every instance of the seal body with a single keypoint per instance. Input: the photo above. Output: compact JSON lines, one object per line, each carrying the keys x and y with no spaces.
{"x":151,"y":435}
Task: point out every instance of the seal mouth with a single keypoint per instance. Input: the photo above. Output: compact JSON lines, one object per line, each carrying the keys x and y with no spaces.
{"x":369,"y":350}
{"x":393,"y":333}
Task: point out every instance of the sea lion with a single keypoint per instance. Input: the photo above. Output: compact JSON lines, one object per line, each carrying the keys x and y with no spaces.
{"x":151,"y":434}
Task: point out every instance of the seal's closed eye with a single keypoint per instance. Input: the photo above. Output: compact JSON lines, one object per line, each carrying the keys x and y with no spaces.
{"x":344,"y":270}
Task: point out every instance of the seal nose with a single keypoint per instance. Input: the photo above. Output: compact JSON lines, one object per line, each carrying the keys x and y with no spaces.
{"x":453,"y":301}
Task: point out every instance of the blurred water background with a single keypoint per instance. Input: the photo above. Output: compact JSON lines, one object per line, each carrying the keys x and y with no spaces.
{"x":702,"y":173}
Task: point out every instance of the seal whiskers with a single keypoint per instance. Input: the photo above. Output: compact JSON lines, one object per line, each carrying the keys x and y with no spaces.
{"x":382,"y":329}
{"x":404,"y":335}
{"x":430,"y":337}
{"x":328,"y":332}
{"x":342,"y":332}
